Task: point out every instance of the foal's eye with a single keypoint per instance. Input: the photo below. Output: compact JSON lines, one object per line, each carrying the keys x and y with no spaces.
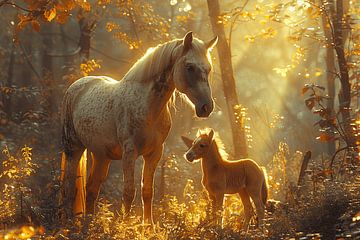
{"x":202,"y":145}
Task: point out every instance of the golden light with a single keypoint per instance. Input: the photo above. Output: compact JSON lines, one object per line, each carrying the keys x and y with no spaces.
{"x":292,"y":9}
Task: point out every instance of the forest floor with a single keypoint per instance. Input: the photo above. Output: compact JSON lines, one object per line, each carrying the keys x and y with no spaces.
{"x":325,"y":208}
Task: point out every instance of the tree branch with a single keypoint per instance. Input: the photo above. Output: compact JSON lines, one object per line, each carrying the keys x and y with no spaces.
{"x":3,"y":2}
{"x":6,"y":2}
{"x":234,"y":20}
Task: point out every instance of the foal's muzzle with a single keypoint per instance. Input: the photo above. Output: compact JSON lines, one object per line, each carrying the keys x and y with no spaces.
{"x":189,"y":156}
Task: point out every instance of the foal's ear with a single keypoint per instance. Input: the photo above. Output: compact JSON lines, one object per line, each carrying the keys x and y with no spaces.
{"x":188,"y":142}
{"x":211,"y":134}
{"x":187,"y":41}
{"x":211,"y":44}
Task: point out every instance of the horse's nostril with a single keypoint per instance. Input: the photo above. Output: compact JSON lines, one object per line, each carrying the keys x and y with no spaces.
{"x":205,"y":108}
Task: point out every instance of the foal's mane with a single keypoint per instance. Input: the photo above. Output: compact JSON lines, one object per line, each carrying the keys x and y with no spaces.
{"x":219,"y":143}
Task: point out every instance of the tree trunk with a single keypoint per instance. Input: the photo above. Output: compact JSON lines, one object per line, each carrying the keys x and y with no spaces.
{"x":86,"y":28}
{"x":47,"y":70}
{"x":345,"y":94}
{"x":227,"y":75}
{"x":330,"y":74}
{"x":7,"y":98}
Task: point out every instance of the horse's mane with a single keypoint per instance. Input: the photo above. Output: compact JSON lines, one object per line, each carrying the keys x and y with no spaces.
{"x":219,"y":143}
{"x":156,"y":60}
{"x":153,"y":62}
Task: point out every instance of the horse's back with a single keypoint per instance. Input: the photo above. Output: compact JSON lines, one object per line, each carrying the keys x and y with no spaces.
{"x":253,"y":172}
{"x":251,"y":166}
{"x":87,"y":110}
{"x":242,"y":163}
{"x":242,"y":172}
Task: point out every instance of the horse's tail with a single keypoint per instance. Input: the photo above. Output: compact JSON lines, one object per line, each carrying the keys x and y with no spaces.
{"x":264,"y":188}
{"x":80,"y":184}
{"x":69,"y":140}
{"x":80,"y":199}
{"x":66,"y":126}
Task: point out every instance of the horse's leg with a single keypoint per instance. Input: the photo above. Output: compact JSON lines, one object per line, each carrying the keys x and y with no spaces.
{"x":128,"y":161}
{"x":68,"y":189}
{"x":98,"y":174}
{"x":260,"y":209}
{"x":217,"y":203}
{"x":245,"y":199}
{"x":150,"y":162}
{"x":219,"y":206}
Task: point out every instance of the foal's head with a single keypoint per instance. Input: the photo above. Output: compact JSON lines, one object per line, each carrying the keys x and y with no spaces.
{"x":199,"y":147}
{"x":191,"y":72}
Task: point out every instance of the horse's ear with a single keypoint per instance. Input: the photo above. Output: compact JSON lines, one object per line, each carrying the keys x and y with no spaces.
{"x":211,"y":134}
{"x":211,"y":44}
{"x":187,"y":41}
{"x":188,"y":142}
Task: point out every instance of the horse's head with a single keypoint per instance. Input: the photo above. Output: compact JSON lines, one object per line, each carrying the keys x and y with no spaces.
{"x":199,"y":147}
{"x":191,"y":72}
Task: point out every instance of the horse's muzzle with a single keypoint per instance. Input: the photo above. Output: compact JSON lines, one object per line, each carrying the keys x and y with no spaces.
{"x":204,"y":110}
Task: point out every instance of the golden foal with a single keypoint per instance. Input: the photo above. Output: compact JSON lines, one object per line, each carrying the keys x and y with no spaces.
{"x":220,"y":176}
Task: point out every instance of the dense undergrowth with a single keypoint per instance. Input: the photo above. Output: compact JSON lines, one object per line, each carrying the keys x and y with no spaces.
{"x":323,"y":207}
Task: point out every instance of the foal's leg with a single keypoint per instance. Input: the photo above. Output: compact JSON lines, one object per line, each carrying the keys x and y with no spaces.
{"x":72,"y":158}
{"x":255,"y":195}
{"x":245,"y":199}
{"x":128,"y":160}
{"x":150,"y":162}
{"x":98,"y":174}
{"x":217,"y":203}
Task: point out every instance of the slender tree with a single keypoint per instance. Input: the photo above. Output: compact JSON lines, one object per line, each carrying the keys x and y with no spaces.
{"x":10,"y":75}
{"x":337,"y":24}
{"x":87,"y":27}
{"x":330,"y":76}
{"x":229,"y":86}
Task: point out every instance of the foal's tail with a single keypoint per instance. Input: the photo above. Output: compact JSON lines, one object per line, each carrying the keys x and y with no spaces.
{"x":264,"y":188}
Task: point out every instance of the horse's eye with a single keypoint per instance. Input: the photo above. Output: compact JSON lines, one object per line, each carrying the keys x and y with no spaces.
{"x":190,"y":68}
{"x":202,"y":145}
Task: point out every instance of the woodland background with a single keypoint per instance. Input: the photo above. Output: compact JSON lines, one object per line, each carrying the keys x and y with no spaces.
{"x":287,"y":82}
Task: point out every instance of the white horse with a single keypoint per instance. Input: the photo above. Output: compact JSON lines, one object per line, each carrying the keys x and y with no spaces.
{"x":130,"y":118}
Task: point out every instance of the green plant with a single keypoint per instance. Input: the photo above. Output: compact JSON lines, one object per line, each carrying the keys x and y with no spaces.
{"x":14,"y":172}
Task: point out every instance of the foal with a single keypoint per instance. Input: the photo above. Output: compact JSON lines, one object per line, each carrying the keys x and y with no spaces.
{"x":227,"y":177}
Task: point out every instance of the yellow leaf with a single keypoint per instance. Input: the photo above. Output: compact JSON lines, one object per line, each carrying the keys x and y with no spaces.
{"x":110,"y":26}
{"x":84,"y":5}
{"x":250,"y":38}
{"x":325,"y":137}
{"x":24,"y":20}
{"x":318,"y":73}
{"x":263,"y":21}
{"x":35,"y":25}
{"x":50,"y":14}
{"x":68,"y":4}
{"x":309,"y":10}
